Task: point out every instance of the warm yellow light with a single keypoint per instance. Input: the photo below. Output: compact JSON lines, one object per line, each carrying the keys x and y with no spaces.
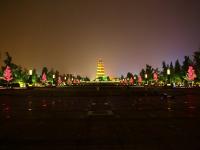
{"x":168,"y":71}
{"x":146,"y":76}
{"x":54,"y":76}
{"x":100,"y":69}
{"x":30,"y":72}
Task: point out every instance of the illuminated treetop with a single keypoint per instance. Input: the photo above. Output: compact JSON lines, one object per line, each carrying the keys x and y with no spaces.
{"x":8,"y":74}
{"x":44,"y":77}
{"x":191,"y":75}
{"x":139,"y":79}
{"x":155,"y":76}
{"x":131,"y":81}
{"x":59,"y":80}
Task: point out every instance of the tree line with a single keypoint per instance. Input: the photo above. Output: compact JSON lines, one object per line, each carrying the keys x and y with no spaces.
{"x":178,"y":70}
{"x":178,"y":73}
{"x":20,"y":74}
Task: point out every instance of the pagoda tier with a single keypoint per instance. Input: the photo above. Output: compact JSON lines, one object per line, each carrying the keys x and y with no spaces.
{"x":100,"y":69}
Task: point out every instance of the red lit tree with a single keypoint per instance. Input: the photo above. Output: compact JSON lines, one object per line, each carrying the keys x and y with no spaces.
{"x":139,"y":80}
{"x":125,"y":81}
{"x":59,"y":80}
{"x":191,"y":75}
{"x":8,"y":74}
{"x":121,"y":81}
{"x":131,"y":81}
{"x":69,"y":82}
{"x":78,"y":81}
{"x":74,"y":81}
{"x":44,"y":77}
{"x":155,"y":76}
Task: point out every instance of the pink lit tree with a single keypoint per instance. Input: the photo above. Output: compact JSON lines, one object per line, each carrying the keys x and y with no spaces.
{"x":155,"y":76}
{"x":139,"y":80}
{"x":191,"y":75}
{"x":78,"y":81}
{"x":8,"y":74}
{"x":125,"y":81}
{"x":74,"y":81}
{"x":59,"y":80}
{"x":44,"y":77}
{"x":69,"y":81}
{"x":131,"y":81}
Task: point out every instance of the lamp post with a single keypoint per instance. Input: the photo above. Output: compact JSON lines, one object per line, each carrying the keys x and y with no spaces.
{"x":134,"y":80}
{"x":134,"y":77}
{"x":30,"y":72}
{"x":54,"y":79}
{"x":30,"y":82}
{"x":146,"y":76}
{"x":65,"y":78}
{"x":168,"y":77}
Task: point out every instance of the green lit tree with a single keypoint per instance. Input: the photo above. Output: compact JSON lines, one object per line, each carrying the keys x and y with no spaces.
{"x":172,"y":72}
{"x":129,"y":75}
{"x":177,"y":72}
{"x":135,"y":77}
{"x":18,"y":74}
{"x":35,"y":76}
{"x":50,"y":75}
{"x":24,"y":76}
{"x":108,"y":78}
{"x":87,"y":78}
{"x":149,"y":72}
{"x":142,"y":73}
{"x":100,"y":78}
{"x":164,"y":71}
{"x":79,"y":77}
{"x":122,"y":77}
{"x":57,"y":74}
{"x":1,"y":73}
{"x":177,"y":68}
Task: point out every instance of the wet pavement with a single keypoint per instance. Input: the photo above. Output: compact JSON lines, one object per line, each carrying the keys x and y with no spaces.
{"x":100,"y":119}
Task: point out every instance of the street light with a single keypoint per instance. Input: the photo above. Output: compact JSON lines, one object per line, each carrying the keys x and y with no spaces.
{"x":53,"y":80}
{"x":168,"y":71}
{"x":146,"y":76}
{"x":134,"y":77}
{"x":168,"y":76}
{"x":30,"y":72}
{"x":30,"y":82}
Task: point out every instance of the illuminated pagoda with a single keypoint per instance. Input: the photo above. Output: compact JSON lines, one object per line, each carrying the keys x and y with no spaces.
{"x":100,"y":70}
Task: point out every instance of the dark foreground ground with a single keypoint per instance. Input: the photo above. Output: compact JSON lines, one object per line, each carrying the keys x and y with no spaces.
{"x":100,"y":118}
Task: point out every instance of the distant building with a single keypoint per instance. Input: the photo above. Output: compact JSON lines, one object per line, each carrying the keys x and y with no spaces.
{"x":100,"y":69}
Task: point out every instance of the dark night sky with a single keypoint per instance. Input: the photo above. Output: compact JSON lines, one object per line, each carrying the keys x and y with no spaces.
{"x":71,"y":35}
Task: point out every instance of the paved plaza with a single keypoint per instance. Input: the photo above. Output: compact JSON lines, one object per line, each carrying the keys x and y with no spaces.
{"x":100,"y":118}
